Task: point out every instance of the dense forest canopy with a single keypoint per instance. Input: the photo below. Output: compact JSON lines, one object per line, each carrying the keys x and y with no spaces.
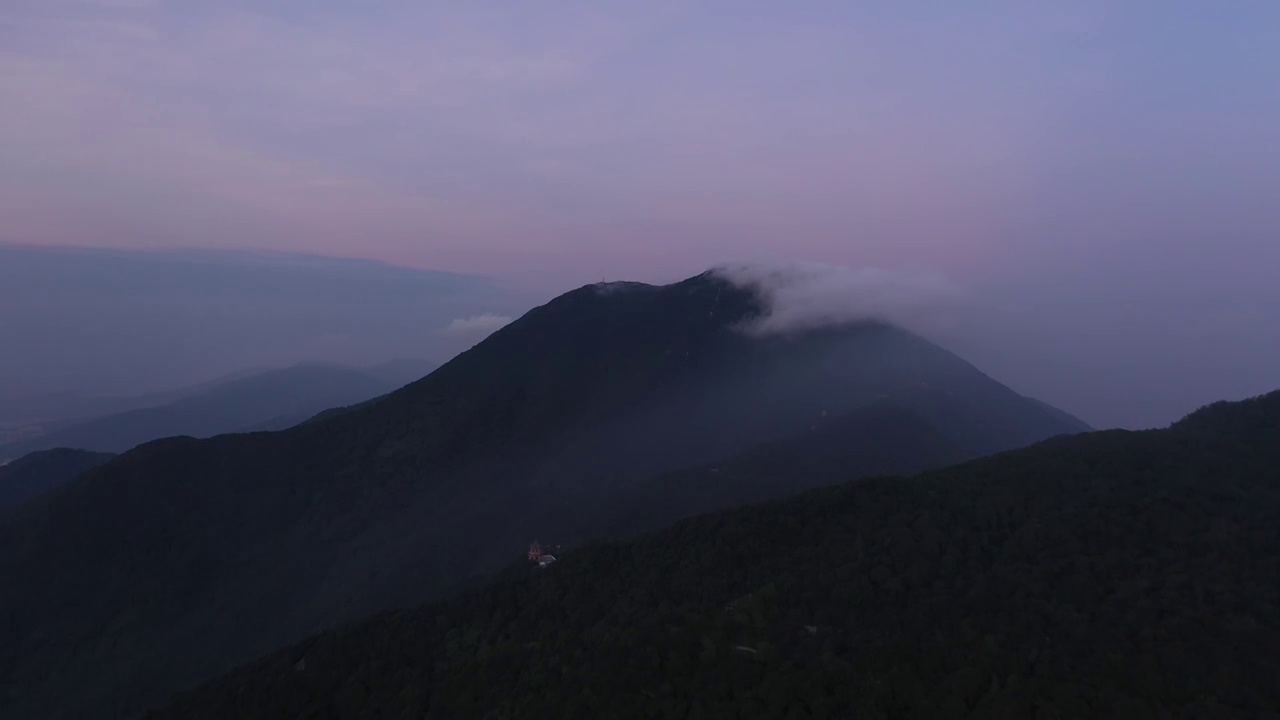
{"x":39,"y":472}
{"x":1115,"y":574}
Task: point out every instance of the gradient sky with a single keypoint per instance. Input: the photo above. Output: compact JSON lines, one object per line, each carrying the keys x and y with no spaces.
{"x":1100,"y":174}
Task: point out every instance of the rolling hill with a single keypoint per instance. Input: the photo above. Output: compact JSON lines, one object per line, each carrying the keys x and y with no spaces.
{"x":576,"y":420}
{"x":40,"y":472}
{"x":1116,"y":574}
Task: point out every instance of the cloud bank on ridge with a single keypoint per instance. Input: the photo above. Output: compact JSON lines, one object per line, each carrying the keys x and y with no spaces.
{"x":805,"y":296}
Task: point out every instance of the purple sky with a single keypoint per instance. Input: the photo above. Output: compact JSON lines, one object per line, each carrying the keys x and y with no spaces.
{"x":1101,"y":174}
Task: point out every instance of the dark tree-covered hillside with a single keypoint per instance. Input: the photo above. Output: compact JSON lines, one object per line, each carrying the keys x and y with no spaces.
{"x":578,"y":420}
{"x":1107,"y":575}
{"x":33,"y":475}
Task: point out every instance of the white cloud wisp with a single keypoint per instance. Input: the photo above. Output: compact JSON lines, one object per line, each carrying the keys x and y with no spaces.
{"x":807,"y":296}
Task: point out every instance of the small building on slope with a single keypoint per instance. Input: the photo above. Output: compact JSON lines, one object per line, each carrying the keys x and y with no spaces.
{"x":540,"y":556}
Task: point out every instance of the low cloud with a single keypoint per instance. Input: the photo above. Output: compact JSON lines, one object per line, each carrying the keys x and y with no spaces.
{"x":477,"y":324}
{"x":805,"y":296}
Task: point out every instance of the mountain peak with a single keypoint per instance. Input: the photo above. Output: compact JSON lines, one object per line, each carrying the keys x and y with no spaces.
{"x":560,"y":413}
{"x":616,"y":286}
{"x":762,"y":300}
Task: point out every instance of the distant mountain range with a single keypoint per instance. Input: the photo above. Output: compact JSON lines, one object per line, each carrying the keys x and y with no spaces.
{"x":245,"y":402}
{"x":84,"y":327}
{"x":1117,"y":574}
{"x":608,"y":411}
{"x":45,"y":414}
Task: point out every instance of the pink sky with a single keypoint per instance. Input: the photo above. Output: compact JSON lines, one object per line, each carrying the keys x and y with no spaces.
{"x":1001,"y":143}
{"x":612,"y":137}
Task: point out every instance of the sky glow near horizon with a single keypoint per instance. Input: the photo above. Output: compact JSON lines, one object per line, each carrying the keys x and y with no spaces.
{"x":1100,"y":174}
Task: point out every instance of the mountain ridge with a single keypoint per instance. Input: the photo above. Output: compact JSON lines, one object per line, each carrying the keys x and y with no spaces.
{"x":242,"y":402}
{"x":1115,"y":573}
{"x":241,"y":543}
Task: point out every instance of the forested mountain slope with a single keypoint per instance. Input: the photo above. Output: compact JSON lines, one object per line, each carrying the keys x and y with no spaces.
{"x":881,"y":439}
{"x":200,"y":554}
{"x":1117,"y":574}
